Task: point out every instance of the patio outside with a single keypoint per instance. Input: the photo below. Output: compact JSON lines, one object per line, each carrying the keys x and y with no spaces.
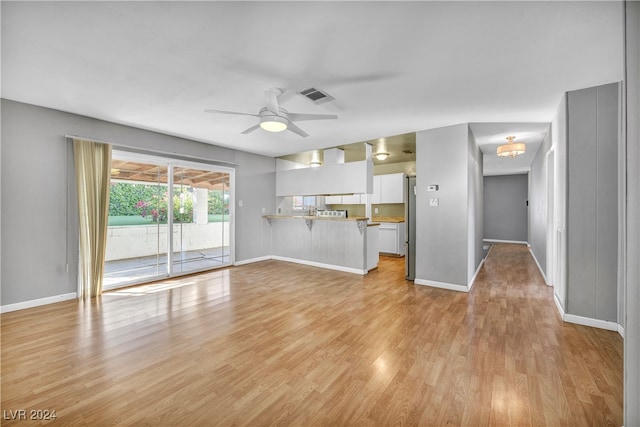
{"x":138,"y":237}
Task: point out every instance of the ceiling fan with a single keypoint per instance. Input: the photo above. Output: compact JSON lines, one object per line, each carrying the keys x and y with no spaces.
{"x":274,"y":118}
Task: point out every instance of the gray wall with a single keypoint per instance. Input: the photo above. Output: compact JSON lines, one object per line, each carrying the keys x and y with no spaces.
{"x":537,"y":236}
{"x":442,"y":232}
{"x":255,"y":186}
{"x":39,"y":221}
{"x":632,"y":290}
{"x":592,"y":205}
{"x":505,"y":207}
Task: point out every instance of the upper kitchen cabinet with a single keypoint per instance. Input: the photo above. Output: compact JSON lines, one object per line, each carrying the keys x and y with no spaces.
{"x":332,"y":177}
{"x":353,"y":199}
{"x":388,"y":189}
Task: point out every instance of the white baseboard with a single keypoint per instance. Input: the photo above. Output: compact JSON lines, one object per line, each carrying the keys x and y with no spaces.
{"x":252,"y":260}
{"x":544,"y":277}
{"x":441,"y":285}
{"x":37,"y":302}
{"x":587,"y":321}
{"x":301,"y":261}
{"x":473,"y":279}
{"x":320,"y":265}
{"x":558,"y":305}
{"x":515,"y":242}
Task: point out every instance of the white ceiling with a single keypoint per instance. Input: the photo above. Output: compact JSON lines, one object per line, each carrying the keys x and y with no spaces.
{"x":392,"y":67}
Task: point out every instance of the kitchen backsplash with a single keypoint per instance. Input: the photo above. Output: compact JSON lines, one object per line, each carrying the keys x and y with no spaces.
{"x":352,"y":210}
{"x":392,"y":209}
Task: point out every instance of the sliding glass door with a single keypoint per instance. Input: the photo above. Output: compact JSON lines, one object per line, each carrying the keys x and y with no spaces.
{"x":200,"y":219}
{"x":150,"y":196}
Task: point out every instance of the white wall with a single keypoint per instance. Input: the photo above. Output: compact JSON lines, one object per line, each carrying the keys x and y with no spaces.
{"x":133,"y":241}
{"x":539,"y":203}
{"x":475,"y":211}
{"x":559,"y":142}
{"x":39,"y":220}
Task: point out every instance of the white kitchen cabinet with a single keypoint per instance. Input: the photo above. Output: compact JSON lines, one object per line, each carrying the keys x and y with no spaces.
{"x":341,"y":178}
{"x":391,"y":238}
{"x":353,"y":199}
{"x":333,"y":200}
{"x":388,"y":189}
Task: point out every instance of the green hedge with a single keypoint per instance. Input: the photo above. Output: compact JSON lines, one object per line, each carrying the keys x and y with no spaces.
{"x":124,"y":196}
{"x":150,"y":201}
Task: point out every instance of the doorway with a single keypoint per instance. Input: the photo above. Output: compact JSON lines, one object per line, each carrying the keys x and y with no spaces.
{"x":166,"y":218}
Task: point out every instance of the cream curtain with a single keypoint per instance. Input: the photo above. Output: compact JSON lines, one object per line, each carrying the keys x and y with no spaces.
{"x":93,"y":170}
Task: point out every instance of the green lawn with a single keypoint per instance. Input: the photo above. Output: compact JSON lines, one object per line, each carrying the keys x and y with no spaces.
{"x":218,"y":218}
{"x":119,"y":221}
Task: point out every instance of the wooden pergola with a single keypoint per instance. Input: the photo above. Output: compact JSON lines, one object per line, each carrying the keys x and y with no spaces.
{"x":144,"y":172}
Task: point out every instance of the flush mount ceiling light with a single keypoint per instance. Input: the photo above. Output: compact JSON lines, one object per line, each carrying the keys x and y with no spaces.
{"x":381,"y":152}
{"x":511,"y":149}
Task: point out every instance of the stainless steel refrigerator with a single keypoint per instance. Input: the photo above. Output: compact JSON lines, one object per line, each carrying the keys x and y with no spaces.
{"x":410,"y":228}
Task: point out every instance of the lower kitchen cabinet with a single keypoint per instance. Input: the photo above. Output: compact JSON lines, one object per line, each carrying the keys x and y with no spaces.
{"x":391,"y":238}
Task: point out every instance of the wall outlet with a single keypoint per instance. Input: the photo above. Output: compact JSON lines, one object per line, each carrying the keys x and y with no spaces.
{"x":434,"y":202}
{"x":240,"y":204}
{"x":264,"y":210}
{"x":375,"y":210}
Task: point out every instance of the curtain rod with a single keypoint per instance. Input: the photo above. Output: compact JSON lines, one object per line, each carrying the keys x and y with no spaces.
{"x":139,"y":150}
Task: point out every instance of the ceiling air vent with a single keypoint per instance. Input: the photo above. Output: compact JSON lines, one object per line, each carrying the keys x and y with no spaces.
{"x":316,"y":96}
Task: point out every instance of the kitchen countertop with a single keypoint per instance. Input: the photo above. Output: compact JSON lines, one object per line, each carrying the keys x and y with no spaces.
{"x":313,"y":217}
{"x":388,"y":218}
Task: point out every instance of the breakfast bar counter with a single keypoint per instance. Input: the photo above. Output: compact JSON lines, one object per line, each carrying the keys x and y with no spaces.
{"x":345,"y":244}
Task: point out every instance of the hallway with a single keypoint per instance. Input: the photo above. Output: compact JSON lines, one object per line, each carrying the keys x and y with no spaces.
{"x":288,"y":344}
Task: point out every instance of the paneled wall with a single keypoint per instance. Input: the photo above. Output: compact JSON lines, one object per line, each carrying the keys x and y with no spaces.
{"x":632,"y":291}
{"x":592,"y":202}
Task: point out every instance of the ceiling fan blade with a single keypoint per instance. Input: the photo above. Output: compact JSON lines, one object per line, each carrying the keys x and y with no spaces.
{"x":298,"y":117}
{"x":295,"y":129}
{"x":251,"y":129}
{"x":207,"y":110}
{"x":271,"y":99}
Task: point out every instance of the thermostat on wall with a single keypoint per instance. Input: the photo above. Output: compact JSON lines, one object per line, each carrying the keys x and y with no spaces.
{"x":432,"y":187}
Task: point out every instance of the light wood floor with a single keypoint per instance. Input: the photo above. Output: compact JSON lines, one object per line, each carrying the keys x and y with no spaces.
{"x":279,"y":343}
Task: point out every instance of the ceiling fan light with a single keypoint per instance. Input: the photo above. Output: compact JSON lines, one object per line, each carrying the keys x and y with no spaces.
{"x":381,"y":156}
{"x":273,"y":123}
